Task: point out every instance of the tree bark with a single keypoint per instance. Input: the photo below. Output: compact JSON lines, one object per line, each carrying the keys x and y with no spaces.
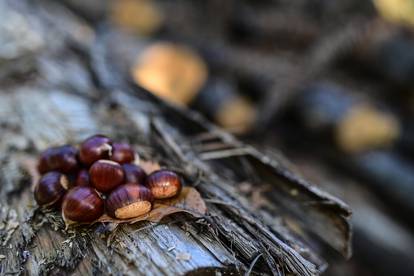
{"x":71,"y":87}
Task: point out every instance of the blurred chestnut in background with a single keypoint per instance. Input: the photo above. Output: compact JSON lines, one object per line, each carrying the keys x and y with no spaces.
{"x":164,"y":184}
{"x":129,"y":201}
{"x":50,"y":188}
{"x":134,"y":174}
{"x":82,"y":204}
{"x":142,"y":17}
{"x":62,"y":159}
{"x":122,"y":153}
{"x":105,"y":175}
{"x":95,"y":148}
{"x":173,"y":72}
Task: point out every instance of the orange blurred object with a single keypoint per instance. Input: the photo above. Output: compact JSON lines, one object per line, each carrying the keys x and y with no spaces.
{"x":172,"y":72}
{"x":396,"y":11}
{"x":138,"y":16}
{"x":237,"y":115}
{"x":365,"y":127}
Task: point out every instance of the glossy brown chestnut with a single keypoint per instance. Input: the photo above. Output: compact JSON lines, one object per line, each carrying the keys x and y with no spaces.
{"x":134,"y":174}
{"x":122,"y":153}
{"x":95,"y":148}
{"x":82,"y":178}
{"x":51,"y":188}
{"x":62,"y":159}
{"x":106,"y":175}
{"x":163,"y":184}
{"x":82,"y":204}
{"x":129,"y":201}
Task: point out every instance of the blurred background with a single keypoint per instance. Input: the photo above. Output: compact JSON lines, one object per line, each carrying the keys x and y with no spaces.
{"x":329,"y":83}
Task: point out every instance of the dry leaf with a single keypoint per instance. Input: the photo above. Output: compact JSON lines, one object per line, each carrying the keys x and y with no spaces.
{"x":188,"y":201}
{"x":149,"y":166}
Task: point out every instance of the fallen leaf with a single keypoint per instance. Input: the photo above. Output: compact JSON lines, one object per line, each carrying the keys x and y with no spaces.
{"x":149,"y":166}
{"x":188,"y":201}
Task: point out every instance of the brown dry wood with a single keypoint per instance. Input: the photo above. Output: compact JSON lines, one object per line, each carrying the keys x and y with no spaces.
{"x":75,"y":91}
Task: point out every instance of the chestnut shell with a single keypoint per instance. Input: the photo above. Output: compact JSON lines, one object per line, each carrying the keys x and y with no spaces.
{"x":106,"y":175}
{"x":82,"y":178}
{"x":128,"y":201}
{"x":82,"y":204}
{"x":62,"y":159}
{"x":50,"y":189}
{"x":122,"y":153}
{"x":164,"y":184}
{"x":95,"y":148}
{"x":134,"y":174}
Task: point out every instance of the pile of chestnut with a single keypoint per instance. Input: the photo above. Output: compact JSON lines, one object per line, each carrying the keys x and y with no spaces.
{"x":100,"y":177}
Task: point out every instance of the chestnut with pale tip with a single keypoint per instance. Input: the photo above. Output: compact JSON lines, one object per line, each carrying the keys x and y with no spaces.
{"x":50,"y":189}
{"x":164,"y":184}
{"x":82,"y":178}
{"x":129,"y":201}
{"x":122,"y":153}
{"x":62,"y":159}
{"x":82,"y":204}
{"x":106,"y":175}
{"x":95,"y":148}
{"x":134,"y":174}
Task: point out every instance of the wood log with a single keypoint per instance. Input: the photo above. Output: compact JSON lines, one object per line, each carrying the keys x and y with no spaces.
{"x":77,"y":90}
{"x":368,"y":155}
{"x":380,"y":241}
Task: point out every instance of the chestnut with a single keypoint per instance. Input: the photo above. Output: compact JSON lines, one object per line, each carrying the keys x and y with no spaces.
{"x":50,"y":188}
{"x":95,"y":148}
{"x":134,"y":174}
{"x":129,"y":201}
{"x":163,"y":184}
{"x":82,"y":178}
{"x":106,"y":175}
{"x":62,"y":159}
{"x":122,"y":153}
{"x":82,"y":204}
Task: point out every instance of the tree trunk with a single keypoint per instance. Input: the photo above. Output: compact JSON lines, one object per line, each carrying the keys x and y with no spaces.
{"x":64,"y":83}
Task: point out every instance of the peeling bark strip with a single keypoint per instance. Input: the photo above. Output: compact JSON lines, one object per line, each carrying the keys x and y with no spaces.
{"x":237,"y":235}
